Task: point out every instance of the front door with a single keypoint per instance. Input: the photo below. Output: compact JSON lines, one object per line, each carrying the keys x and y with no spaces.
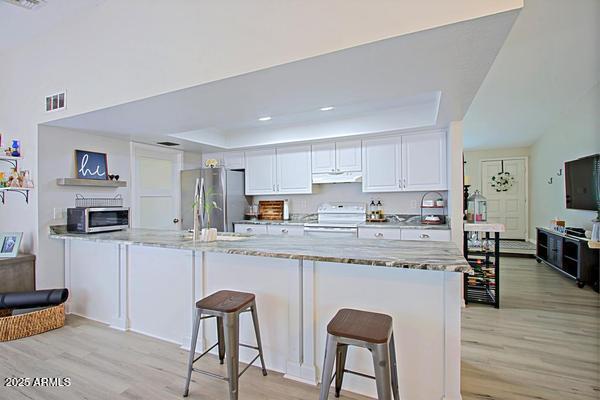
{"x":156,"y":187}
{"x":507,"y":204}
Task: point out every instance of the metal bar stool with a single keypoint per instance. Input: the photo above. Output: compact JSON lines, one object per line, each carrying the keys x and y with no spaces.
{"x":370,"y":330}
{"x":226,"y":306}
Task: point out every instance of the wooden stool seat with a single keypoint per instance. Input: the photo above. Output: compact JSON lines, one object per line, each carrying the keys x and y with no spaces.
{"x":226,"y":301}
{"x":366,"y":326}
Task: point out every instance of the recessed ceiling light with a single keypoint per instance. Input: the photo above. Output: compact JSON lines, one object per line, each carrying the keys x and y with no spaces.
{"x":263,"y":119}
{"x":328,"y":108}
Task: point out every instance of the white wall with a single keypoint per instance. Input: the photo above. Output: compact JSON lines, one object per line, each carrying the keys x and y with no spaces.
{"x":393,"y":203}
{"x":576,"y":133}
{"x":56,"y":160}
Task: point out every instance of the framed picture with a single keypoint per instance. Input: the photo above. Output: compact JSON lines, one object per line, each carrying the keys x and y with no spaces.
{"x":91,"y":165}
{"x":9,"y":244}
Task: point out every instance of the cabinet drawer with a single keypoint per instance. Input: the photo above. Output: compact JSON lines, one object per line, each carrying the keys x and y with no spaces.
{"x":286,"y":230}
{"x":379,"y":233}
{"x":251,"y":228}
{"x":426,"y":234}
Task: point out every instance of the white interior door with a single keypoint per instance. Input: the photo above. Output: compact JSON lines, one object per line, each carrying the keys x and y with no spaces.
{"x":508,"y":207}
{"x":156,"y":187}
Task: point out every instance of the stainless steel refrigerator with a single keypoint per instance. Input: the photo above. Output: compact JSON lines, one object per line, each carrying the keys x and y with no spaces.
{"x":223,"y":187}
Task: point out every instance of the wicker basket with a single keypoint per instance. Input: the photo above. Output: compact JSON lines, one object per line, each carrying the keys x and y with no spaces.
{"x":33,"y":323}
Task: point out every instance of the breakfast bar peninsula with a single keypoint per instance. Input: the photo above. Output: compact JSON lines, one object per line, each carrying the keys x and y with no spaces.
{"x":148,"y":281}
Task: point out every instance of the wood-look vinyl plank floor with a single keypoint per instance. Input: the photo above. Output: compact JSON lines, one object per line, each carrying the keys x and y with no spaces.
{"x":544,"y":344}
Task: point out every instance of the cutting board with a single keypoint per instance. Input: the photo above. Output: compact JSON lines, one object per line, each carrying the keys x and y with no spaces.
{"x":270,"y":209}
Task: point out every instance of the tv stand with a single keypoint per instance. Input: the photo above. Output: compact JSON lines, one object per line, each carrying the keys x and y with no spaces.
{"x":569,"y":255}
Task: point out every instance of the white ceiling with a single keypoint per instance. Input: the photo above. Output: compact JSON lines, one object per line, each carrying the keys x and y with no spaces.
{"x":550,"y":60}
{"x":413,"y":81}
{"x":19,"y":25}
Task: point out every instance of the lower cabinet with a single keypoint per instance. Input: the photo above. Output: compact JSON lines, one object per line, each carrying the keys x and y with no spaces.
{"x":285,"y":230}
{"x":426,"y":234}
{"x":273,"y":229}
{"x":378,"y":233}
{"x":251,"y":228}
{"x":371,"y":232}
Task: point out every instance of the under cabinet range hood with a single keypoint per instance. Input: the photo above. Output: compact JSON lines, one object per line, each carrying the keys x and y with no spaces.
{"x":337,"y":177}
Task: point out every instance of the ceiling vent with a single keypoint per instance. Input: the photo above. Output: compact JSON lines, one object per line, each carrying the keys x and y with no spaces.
{"x":168,"y":143}
{"x":57,"y":101}
{"x":28,"y":4}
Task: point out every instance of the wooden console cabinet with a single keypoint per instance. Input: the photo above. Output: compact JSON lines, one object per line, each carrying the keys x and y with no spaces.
{"x":17,"y":274}
{"x":567,"y":254}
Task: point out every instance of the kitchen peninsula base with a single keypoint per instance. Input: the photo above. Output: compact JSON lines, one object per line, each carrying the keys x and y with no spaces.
{"x":152,"y":289}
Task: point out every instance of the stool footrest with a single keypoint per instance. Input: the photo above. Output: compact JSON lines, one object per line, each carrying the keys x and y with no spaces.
{"x":358,"y":373}
{"x":205,"y":353}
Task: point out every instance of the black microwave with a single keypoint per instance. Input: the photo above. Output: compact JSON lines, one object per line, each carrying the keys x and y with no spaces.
{"x":96,"y":219}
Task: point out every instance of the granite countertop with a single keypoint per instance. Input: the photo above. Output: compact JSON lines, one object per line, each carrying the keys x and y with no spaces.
{"x":425,"y":255}
{"x":274,"y":222}
{"x":404,"y":225}
{"x":390,"y":224}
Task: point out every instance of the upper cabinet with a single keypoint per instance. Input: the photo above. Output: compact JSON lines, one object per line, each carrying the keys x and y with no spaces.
{"x":381,"y":165}
{"x":323,"y":157}
{"x":415,"y":162}
{"x":260,"y":173}
{"x":285,"y":170}
{"x":348,"y":156}
{"x":424,"y":161}
{"x":293,"y":170}
{"x":336,"y":157}
{"x":229,"y":160}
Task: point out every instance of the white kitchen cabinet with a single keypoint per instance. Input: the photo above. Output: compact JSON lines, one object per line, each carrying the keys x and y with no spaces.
{"x":415,"y":162}
{"x":251,"y":228}
{"x":285,"y":170}
{"x":323,"y":157}
{"x":336,"y":157}
{"x":294,"y":170}
{"x":441,"y":235}
{"x":285,"y":230}
{"x":348,"y":156}
{"x":381,"y":164}
{"x":424,"y":161}
{"x":261,"y":176}
{"x":234,"y":160}
{"x":370,"y":232}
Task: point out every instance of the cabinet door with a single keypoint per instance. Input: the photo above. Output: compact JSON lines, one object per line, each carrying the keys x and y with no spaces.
{"x":424,"y":161}
{"x":293,"y":170}
{"x":378,"y":233}
{"x":260,"y":174}
{"x":285,"y":230}
{"x":209,"y":156}
{"x":440,"y":235}
{"x":251,"y":228}
{"x":323,"y":157}
{"x":381,"y":165}
{"x":348,"y":156}
{"x":234,"y":160}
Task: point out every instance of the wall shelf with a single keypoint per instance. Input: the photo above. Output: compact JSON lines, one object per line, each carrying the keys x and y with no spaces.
{"x":11,"y":160}
{"x":90,"y":182}
{"x":23,"y":191}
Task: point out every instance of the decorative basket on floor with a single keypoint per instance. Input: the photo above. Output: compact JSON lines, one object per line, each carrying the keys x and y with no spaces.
{"x":19,"y":326}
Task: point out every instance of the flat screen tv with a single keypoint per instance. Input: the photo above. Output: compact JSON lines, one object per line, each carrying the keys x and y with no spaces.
{"x":582,"y":181}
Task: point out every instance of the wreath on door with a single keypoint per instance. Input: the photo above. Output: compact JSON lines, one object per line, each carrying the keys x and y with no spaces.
{"x":503,"y":180}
